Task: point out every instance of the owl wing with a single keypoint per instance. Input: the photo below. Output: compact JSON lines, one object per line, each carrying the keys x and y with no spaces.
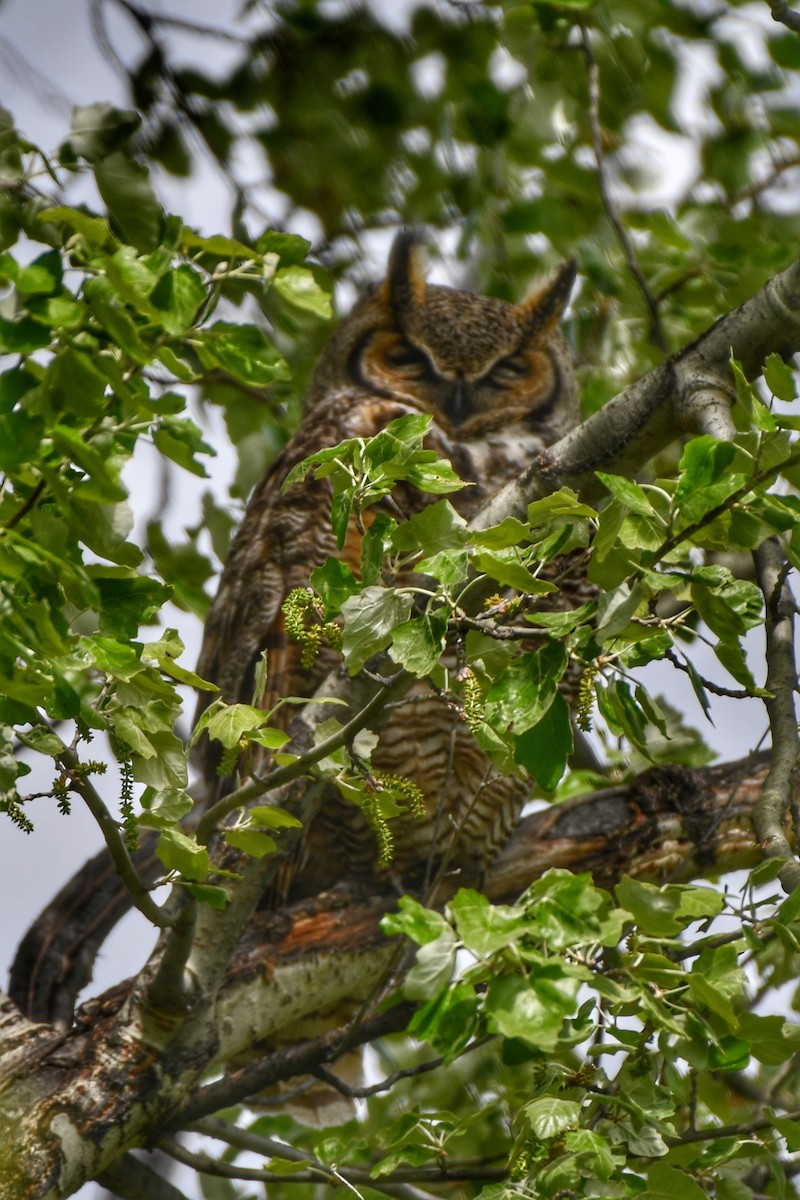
{"x":284,"y":535}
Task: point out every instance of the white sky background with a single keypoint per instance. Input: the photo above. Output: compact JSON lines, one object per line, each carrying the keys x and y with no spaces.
{"x":49,"y":61}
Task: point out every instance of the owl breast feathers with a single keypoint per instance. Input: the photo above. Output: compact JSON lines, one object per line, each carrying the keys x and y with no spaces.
{"x":498,"y":381}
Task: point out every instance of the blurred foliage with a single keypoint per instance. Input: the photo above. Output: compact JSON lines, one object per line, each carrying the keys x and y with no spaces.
{"x":658,"y":143}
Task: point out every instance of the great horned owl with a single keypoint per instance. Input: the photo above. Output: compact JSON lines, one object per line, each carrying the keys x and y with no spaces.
{"x":498,"y":381}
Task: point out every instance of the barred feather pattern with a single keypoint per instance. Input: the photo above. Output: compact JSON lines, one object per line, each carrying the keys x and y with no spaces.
{"x":517,"y":396}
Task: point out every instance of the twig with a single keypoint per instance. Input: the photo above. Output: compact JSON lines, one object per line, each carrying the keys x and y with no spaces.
{"x":725,"y":1131}
{"x":114,"y":840}
{"x":777,"y":795}
{"x":300,"y":1059}
{"x":147,"y":19}
{"x":267,"y":1147}
{"x":362,"y":1093}
{"x":715,"y":688}
{"x":259,"y":787}
{"x":784,"y":15}
{"x":390,"y":1184}
{"x":656,"y":329}
{"x":171,"y":990}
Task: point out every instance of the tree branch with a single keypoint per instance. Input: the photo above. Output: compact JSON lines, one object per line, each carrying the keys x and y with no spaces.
{"x":785,"y":15}
{"x":778,"y":795}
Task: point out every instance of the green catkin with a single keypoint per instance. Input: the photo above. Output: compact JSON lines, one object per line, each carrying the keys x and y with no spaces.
{"x":126,"y":805}
{"x":230,"y":757}
{"x":405,"y":791}
{"x":60,"y":791}
{"x":583,"y":712}
{"x":379,"y":826}
{"x":14,"y":811}
{"x":472,"y":708}
{"x":303,"y":612}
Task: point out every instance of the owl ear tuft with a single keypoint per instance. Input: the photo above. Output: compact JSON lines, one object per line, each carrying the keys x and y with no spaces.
{"x":540,"y":312}
{"x":404,"y":288}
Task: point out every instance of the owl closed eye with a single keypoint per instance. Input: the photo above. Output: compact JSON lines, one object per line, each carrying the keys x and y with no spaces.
{"x":477,"y":364}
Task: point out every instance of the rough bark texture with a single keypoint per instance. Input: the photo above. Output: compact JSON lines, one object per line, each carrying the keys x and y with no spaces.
{"x":107,"y":1086}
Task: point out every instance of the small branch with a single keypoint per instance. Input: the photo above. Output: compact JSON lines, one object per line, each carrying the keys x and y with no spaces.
{"x":779,"y":787}
{"x":755,"y":189}
{"x":715,"y":688}
{"x":146,"y":20}
{"x":726,"y":1131}
{"x":656,"y":329}
{"x":727,"y":505}
{"x":132,"y":1179}
{"x":26,"y":506}
{"x":283,"y":775}
{"x":171,"y":989}
{"x":784,"y":15}
{"x":362,"y":1093}
{"x":114,"y":840}
{"x":300,"y":1059}
{"x":389,"y":1185}
{"x":267,"y":1147}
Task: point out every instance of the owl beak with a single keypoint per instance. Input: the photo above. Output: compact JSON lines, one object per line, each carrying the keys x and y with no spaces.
{"x":459,"y":402}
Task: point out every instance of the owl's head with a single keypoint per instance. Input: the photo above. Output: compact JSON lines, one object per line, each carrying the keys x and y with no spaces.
{"x":474,"y":362}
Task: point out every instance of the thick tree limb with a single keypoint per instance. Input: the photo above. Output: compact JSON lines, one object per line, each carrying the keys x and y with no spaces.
{"x":105,"y":1077}
{"x":673,"y":399}
{"x":778,"y":793}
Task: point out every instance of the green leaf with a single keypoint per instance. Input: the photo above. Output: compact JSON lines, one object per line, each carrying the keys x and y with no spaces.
{"x":447,"y":1022}
{"x":545,"y":748}
{"x":485,"y":928}
{"x":130,"y":199}
{"x":433,"y":967}
{"x":370,"y":619}
{"x":298,"y":286}
{"x":244,"y":351}
{"x":270,"y":816}
{"x":706,"y":479}
{"x":100,"y":129}
{"x":231,"y":721}
{"x":615,"y":608}
{"x":563,"y":503}
{"x":668,"y":1183}
{"x":95,"y":230}
{"x":508,"y":571}
{"x":23,"y":336}
{"x":526,"y":689}
{"x":531,"y":1009}
{"x":510,"y":532}
{"x":207,"y":893}
{"x":42,"y":277}
{"x":334,"y":582}
{"x":437,"y":527}
{"x":180,"y":440}
{"x":550,"y":1117}
{"x":780,"y":378}
{"x":179,"y":295}
{"x":417,"y":644}
{"x":180,"y":852}
{"x":251,"y":842}
{"x":628,"y":492}
{"x":653,"y":909}
{"x":414,"y":921}
{"x":164,"y":808}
